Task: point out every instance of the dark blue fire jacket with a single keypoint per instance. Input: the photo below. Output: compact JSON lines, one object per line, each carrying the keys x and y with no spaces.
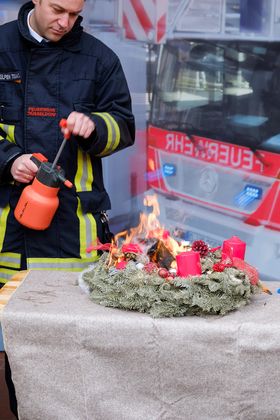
{"x":39,"y":85}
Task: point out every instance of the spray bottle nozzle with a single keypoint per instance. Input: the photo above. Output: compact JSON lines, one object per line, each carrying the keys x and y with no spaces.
{"x":64,"y":181}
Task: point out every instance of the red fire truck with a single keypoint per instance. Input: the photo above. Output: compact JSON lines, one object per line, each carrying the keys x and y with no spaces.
{"x":214,"y":132}
{"x":213,"y":144}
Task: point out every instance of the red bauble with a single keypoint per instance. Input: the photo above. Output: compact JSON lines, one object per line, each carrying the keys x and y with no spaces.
{"x":150,"y":268}
{"x":162,"y":272}
{"x":219,"y":267}
{"x":121,"y":265}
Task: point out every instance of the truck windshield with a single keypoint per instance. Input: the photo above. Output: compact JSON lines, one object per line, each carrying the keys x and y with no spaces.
{"x":224,"y":90}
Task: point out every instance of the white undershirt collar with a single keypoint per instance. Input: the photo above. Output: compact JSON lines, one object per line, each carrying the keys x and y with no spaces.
{"x":34,"y":34}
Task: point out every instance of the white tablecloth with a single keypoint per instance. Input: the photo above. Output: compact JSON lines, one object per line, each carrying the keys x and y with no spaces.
{"x":74,"y":360}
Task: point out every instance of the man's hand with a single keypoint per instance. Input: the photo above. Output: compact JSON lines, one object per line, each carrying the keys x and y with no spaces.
{"x":23,"y":169}
{"x":79,"y":124}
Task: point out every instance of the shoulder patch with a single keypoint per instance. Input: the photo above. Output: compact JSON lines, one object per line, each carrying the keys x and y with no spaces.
{"x":11,"y":76}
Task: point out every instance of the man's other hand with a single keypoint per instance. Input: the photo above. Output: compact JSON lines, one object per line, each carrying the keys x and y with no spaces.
{"x":79,"y":124}
{"x":23,"y":169}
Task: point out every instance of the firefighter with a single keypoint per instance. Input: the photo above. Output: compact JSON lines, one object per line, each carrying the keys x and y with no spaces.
{"x":50,"y":69}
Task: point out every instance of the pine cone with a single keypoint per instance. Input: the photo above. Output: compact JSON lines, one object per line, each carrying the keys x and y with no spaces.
{"x":201,"y":247}
{"x":130,"y":256}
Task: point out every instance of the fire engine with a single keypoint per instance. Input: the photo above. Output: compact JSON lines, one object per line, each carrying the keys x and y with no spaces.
{"x":213,"y":139}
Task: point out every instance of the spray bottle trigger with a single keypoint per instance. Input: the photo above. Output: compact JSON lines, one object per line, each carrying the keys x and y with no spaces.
{"x":38,"y":158}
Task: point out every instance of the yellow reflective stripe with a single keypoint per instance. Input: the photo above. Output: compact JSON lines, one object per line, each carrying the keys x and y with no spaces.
{"x":3,"y":220}
{"x":110,"y":135}
{"x":87,"y":224}
{"x":113,"y":133}
{"x":6,"y":274}
{"x":116,"y":129}
{"x":89,"y":178}
{"x":10,"y":259}
{"x":82,"y":229}
{"x":10,"y":131}
{"x":88,"y":232}
{"x":84,"y":175}
{"x":65,"y":264}
{"x":79,"y":173}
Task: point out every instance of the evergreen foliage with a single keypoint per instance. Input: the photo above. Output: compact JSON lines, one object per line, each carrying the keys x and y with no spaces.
{"x":134,"y":289}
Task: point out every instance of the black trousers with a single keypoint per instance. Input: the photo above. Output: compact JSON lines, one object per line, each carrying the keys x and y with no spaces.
{"x":8,"y":373}
{"x":11,"y":387}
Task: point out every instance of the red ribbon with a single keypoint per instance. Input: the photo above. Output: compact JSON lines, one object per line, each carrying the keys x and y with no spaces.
{"x":98,"y":246}
{"x":227,"y":262}
{"x":131,"y":248}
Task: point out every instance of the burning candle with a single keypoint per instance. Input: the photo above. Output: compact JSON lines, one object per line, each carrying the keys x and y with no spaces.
{"x":188,"y":264}
{"x":234,"y":247}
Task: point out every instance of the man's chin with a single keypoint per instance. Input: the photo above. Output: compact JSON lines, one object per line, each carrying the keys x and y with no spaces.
{"x":55,"y":36}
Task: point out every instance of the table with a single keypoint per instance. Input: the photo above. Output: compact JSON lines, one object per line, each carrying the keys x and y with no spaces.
{"x":72,"y":359}
{"x":6,"y":293}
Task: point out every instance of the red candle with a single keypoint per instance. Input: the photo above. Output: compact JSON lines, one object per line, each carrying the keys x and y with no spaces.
{"x":234,"y":247}
{"x":188,"y":264}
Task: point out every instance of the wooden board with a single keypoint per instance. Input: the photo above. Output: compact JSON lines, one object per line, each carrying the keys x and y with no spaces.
{"x":9,"y":288}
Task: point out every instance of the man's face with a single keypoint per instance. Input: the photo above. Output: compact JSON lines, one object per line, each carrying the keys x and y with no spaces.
{"x":52,"y":19}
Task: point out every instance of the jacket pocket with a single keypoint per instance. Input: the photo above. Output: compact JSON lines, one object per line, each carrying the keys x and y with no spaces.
{"x":84,"y":74}
{"x":10,"y":113}
{"x":84,"y":107}
{"x":10,"y":102}
{"x":94,"y":201}
{"x":83,"y":87}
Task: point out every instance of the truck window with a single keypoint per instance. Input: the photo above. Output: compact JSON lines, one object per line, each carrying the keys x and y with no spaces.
{"x":225,"y":90}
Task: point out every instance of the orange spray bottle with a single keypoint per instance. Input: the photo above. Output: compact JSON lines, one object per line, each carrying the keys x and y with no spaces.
{"x":39,"y":201}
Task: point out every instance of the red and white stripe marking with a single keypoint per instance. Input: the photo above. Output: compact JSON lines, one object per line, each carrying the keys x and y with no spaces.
{"x":162,"y":6}
{"x":145,"y":20}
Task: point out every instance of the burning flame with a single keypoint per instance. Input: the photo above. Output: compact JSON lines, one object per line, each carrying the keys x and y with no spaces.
{"x":149,"y":238}
{"x":149,"y":225}
{"x":148,"y":232}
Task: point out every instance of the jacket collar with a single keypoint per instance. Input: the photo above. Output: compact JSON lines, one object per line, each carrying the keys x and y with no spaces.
{"x":70,"y":41}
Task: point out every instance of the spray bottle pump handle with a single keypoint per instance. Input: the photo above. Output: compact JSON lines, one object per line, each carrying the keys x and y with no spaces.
{"x":38,"y":158}
{"x":63,"y":124}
